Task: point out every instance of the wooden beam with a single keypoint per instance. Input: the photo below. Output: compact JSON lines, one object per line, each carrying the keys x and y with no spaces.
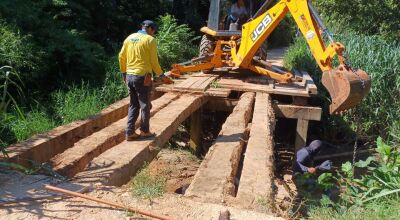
{"x":214,"y":92}
{"x":196,"y":126}
{"x":298,"y":112}
{"x":221,"y":104}
{"x":216,"y":176}
{"x":256,"y":180}
{"x":301,"y":134}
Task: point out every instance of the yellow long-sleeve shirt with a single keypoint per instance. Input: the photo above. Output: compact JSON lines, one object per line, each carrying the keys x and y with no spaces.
{"x":139,"y":55}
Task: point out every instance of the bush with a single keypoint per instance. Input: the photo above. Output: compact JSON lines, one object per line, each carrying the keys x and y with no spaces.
{"x":17,"y":50}
{"x":45,"y":50}
{"x":363,"y":16}
{"x":175,"y":42}
{"x":368,"y":190}
{"x":379,"y":113}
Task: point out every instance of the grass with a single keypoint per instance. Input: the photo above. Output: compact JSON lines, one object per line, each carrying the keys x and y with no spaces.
{"x":384,"y":209}
{"x":215,"y":84}
{"x":263,"y":204}
{"x":77,"y":103}
{"x":146,"y":186}
{"x":34,"y":122}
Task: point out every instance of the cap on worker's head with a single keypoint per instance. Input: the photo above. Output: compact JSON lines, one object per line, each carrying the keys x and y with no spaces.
{"x":150,"y":23}
{"x":315,"y":146}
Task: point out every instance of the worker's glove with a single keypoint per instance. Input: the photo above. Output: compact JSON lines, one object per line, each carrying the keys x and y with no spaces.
{"x":325,"y":166}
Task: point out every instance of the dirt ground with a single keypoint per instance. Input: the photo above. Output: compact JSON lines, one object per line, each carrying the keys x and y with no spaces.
{"x":177,"y":165}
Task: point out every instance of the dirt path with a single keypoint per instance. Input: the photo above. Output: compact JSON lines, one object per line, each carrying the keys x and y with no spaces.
{"x":180,"y":166}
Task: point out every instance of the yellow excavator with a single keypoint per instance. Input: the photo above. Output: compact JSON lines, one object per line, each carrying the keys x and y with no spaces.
{"x":346,"y":85}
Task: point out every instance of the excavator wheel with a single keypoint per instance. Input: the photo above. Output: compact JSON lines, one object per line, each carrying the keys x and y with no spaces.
{"x":346,"y":87}
{"x":206,"y":47}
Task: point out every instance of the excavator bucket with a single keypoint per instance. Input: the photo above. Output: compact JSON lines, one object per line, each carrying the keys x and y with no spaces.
{"x":346,"y":87}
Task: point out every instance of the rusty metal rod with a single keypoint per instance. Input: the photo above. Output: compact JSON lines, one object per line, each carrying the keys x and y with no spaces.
{"x":113,"y":204}
{"x":32,"y":199}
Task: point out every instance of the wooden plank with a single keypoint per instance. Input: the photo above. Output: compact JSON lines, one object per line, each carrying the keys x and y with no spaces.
{"x":240,"y":85}
{"x":117,"y":165}
{"x":195,"y":83}
{"x":303,"y":82}
{"x":298,"y":112}
{"x":216,"y":175}
{"x":207,"y":82}
{"x":311,"y":87}
{"x":256,"y":180}
{"x":202,"y":83}
{"x":301,"y":134}
{"x":199,"y":81}
{"x":187,"y":83}
{"x":218,"y":92}
{"x":74,"y":159}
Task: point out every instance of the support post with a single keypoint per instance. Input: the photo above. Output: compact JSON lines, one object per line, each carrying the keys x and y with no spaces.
{"x":301,"y":134}
{"x":196,"y":128}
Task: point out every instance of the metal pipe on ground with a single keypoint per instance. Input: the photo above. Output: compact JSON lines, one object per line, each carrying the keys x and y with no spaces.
{"x":113,"y":204}
{"x":34,"y":199}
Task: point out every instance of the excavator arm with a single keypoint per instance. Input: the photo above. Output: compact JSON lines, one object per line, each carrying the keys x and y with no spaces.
{"x":346,"y":86}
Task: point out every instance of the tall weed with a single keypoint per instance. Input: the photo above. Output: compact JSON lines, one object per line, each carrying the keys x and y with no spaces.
{"x":77,"y":103}
{"x":34,"y":122}
{"x":370,"y":188}
{"x":380,"y":111}
{"x":175,"y":42}
{"x":9,"y":80}
{"x":363,"y":16}
{"x":113,"y":88}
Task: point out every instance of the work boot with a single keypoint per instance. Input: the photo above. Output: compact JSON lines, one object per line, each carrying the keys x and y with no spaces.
{"x":147,"y":134}
{"x":132,"y":136}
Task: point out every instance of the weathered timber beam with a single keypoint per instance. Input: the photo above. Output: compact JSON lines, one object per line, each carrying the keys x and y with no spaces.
{"x":298,"y":112}
{"x":221,"y":104}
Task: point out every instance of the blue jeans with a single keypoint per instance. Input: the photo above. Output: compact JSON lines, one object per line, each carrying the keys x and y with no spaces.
{"x":139,"y":99}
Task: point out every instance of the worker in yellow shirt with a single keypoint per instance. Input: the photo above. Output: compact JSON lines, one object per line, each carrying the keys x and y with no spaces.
{"x":138,"y":57}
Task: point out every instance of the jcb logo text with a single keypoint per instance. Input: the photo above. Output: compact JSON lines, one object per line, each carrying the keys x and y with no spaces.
{"x":261,"y":27}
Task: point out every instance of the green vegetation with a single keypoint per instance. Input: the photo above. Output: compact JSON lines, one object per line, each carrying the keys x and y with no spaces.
{"x":369,"y":30}
{"x":379,"y":113}
{"x":368,"y":189}
{"x":33,"y":122}
{"x":388,"y":210}
{"x":25,"y":115}
{"x":76,"y":103}
{"x":363,"y":16}
{"x":147,"y":186}
{"x":175,"y":42}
